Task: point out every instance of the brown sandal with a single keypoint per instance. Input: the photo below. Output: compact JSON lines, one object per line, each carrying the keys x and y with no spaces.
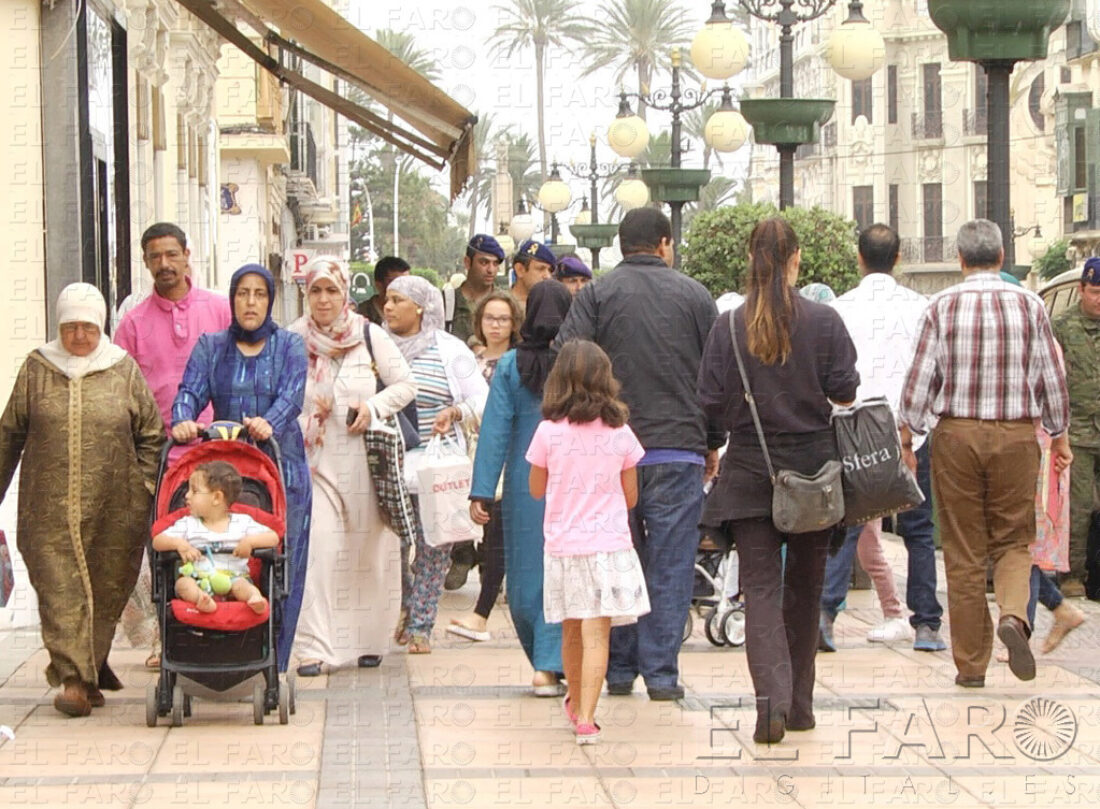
{"x":419,"y":645}
{"x":401,"y":634}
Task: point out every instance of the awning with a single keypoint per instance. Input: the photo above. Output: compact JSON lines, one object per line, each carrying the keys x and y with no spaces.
{"x":439,"y":130}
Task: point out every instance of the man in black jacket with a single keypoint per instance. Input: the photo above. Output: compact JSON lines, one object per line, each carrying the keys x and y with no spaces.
{"x":653,"y":322}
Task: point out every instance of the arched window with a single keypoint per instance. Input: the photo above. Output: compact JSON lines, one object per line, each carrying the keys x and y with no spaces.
{"x":1033,"y":98}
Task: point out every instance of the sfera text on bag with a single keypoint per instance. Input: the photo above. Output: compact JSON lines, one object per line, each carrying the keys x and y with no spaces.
{"x":856,"y":462}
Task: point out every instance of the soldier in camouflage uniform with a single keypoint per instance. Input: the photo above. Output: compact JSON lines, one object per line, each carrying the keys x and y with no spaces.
{"x":1078,"y":332}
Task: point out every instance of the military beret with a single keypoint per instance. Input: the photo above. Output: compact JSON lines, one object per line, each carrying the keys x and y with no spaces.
{"x":538,"y":251}
{"x":1091,"y":273}
{"x":483,"y":243}
{"x":572,"y":267}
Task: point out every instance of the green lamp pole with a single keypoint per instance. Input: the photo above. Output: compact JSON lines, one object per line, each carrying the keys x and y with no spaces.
{"x":997,"y":34}
{"x":856,"y":51}
{"x":587,"y":230}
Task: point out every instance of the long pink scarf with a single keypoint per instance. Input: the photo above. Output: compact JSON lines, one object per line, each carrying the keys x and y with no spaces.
{"x":326,"y":347}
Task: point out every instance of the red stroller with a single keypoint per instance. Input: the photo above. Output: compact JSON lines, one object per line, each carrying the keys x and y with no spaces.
{"x":229,"y":653}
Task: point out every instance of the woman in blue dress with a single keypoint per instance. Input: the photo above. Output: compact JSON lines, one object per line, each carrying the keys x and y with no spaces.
{"x":255,"y":373}
{"x":512,"y":413}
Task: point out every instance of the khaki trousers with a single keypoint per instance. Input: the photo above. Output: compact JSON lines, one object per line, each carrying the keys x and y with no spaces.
{"x":984,"y":475}
{"x":1084,"y":484}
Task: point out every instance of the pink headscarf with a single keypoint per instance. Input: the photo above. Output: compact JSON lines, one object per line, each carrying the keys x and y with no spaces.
{"x":326,"y":346}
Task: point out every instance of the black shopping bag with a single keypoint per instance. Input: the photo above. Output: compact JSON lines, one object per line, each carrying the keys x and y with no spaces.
{"x":876,"y":480}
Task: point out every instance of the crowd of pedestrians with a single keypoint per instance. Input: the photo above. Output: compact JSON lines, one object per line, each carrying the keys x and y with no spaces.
{"x":593,"y":412}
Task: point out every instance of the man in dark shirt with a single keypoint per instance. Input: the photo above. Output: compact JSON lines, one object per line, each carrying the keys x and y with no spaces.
{"x":387,"y":268}
{"x":653,"y":322}
{"x":482,"y":262}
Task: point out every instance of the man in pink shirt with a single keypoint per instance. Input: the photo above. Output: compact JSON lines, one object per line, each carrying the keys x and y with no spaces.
{"x":159,"y":334}
{"x":160,"y":331}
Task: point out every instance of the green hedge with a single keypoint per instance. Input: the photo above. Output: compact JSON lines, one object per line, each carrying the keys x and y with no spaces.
{"x":715,"y":250}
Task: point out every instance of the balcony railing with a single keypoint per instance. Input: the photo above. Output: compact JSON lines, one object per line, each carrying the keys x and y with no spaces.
{"x":976,"y":122}
{"x":929,"y":250}
{"x":928,"y":126}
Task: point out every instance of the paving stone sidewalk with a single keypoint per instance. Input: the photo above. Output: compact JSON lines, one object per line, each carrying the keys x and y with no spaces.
{"x":459,"y":728}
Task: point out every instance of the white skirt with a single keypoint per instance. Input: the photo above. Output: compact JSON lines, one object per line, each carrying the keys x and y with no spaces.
{"x":597,"y":585}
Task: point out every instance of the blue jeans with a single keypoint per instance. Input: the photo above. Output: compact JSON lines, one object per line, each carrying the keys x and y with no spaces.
{"x":915,"y":528}
{"x":665,"y":528}
{"x":1043,"y":591}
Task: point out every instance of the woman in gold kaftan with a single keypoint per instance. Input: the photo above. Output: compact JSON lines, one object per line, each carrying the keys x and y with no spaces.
{"x":88,"y":431}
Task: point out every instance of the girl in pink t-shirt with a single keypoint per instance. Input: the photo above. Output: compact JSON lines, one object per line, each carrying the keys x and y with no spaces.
{"x":582,"y":459}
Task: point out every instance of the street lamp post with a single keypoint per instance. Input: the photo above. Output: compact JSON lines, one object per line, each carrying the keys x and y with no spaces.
{"x":997,"y":36}
{"x":856,"y":51}
{"x":674,"y":185}
{"x":718,"y":51}
{"x":589,"y":232}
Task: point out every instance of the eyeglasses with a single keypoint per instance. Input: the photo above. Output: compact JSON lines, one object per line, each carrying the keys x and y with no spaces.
{"x":497,"y":321}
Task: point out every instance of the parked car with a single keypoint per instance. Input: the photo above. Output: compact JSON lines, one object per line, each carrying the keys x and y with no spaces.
{"x":1061,"y":292}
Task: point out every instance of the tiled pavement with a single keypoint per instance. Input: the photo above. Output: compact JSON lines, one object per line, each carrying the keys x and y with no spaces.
{"x":458,"y":728}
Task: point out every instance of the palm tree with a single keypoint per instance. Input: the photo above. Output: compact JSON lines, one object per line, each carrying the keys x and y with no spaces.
{"x":537,"y":24}
{"x":481,"y":184}
{"x":634,"y":36}
{"x":521,"y":165}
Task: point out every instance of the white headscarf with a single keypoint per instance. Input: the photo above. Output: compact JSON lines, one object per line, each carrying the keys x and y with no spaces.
{"x":82,"y":303}
{"x":428,"y":298}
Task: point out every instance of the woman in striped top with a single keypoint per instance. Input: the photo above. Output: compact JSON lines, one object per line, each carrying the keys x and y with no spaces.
{"x":450,"y":389}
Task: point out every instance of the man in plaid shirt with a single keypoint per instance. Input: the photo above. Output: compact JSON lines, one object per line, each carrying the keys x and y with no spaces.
{"x":985,"y":368}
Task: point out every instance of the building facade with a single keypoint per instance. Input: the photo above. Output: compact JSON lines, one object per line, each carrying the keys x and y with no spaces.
{"x":908,"y":146}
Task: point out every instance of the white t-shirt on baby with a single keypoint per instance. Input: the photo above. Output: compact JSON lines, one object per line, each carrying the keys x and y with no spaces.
{"x":221,"y":545}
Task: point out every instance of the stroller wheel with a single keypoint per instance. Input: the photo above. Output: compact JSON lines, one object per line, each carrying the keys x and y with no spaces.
{"x":688,"y":626}
{"x":284,"y":703}
{"x":177,"y":707}
{"x":258,"y":704}
{"x":151,"y":705}
{"x":713,"y":628}
{"x":186,"y":706}
{"x":733,"y":627}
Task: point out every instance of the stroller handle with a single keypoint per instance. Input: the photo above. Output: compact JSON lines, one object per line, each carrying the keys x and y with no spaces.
{"x":228,"y":431}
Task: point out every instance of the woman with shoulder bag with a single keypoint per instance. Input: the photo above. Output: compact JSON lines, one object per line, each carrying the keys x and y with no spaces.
{"x":796,"y":357}
{"x":449,"y":389}
{"x":352,"y":596}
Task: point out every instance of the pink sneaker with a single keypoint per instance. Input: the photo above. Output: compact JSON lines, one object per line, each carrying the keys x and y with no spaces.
{"x":587,"y":734}
{"x":570,"y":714}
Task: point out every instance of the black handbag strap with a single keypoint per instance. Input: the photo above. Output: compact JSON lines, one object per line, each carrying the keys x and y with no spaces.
{"x":749,"y":397}
{"x":379,"y":385}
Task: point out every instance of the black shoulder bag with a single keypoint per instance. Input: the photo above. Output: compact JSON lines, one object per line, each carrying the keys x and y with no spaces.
{"x":800,"y":503}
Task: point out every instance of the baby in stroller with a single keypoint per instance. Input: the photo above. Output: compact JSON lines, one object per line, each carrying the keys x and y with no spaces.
{"x":213,"y":543}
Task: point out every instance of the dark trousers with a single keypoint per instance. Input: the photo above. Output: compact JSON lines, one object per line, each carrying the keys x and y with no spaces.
{"x":781,"y":614}
{"x":1043,"y":591}
{"x":665,"y":529}
{"x":492,"y":562}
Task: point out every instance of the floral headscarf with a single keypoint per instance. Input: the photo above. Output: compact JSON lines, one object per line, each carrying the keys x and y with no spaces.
{"x":326,"y":346}
{"x":430,"y":300}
